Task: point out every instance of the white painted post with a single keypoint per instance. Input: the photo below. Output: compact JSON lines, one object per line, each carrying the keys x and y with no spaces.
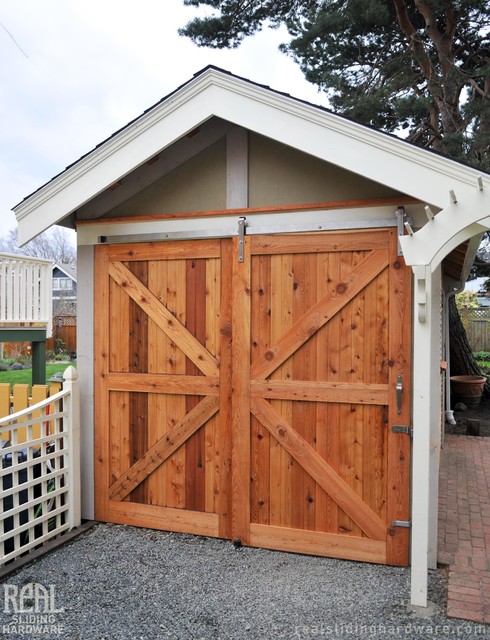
{"x":72,"y":406}
{"x":436,"y":413}
{"x":85,"y":369}
{"x":426,"y":421}
{"x":237,"y":168}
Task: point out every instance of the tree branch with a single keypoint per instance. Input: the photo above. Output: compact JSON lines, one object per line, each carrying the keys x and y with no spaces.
{"x":420,"y":52}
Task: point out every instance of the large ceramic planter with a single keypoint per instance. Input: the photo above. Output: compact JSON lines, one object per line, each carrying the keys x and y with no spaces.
{"x":467,"y":389}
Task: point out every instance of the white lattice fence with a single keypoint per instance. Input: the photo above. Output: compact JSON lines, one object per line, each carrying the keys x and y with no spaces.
{"x":40,"y":473}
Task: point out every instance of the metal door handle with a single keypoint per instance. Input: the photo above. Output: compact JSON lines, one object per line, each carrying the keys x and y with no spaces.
{"x":399,"y":391}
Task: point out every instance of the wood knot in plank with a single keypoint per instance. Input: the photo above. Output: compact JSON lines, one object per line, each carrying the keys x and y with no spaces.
{"x":226,"y":329}
{"x":341,"y":288}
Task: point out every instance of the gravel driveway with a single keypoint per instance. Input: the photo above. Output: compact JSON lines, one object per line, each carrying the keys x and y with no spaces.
{"x":119,"y":582}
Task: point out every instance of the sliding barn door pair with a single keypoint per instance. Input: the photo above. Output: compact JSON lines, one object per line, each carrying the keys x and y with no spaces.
{"x":251,"y":395}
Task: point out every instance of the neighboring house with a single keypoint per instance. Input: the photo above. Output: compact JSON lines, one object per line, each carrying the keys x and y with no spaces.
{"x":243,"y":286}
{"x":64,"y":289}
{"x":64,"y":308}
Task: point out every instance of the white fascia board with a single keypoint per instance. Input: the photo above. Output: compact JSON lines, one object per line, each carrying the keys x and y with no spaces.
{"x":359,"y":149}
{"x":117,"y":157}
{"x":374,"y":155}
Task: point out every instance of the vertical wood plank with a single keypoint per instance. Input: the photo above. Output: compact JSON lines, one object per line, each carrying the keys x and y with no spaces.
{"x":261,"y":340}
{"x":138,"y":329}
{"x":119,"y":328}
{"x":224,"y":430}
{"x":196,"y":325}
{"x":101,"y":369}
{"x":333,"y":374}
{"x":310,"y":408}
{"x":275,"y":453}
{"x":211,"y":429}
{"x":176,"y":364}
{"x":138,"y":424}
{"x":119,"y":434}
{"x":157,"y":363}
{"x":346,"y":435}
{"x":299,"y":490}
{"x":382,"y":375}
{"x":322,"y":502}
{"x":398,"y":503}
{"x":282,"y":319}
{"x":241,"y":393}
{"x":138,"y":363}
{"x":358,"y":368}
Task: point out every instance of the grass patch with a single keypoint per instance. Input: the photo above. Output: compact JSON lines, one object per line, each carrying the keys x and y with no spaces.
{"x":25,"y":375}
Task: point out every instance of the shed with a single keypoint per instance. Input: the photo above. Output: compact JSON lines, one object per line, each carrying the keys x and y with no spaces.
{"x":261,"y":286}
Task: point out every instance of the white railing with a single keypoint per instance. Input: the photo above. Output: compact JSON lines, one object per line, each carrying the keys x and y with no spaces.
{"x":25,"y":290}
{"x":40,"y":474}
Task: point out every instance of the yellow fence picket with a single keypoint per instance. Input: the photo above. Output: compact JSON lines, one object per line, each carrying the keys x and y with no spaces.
{"x":16,"y":398}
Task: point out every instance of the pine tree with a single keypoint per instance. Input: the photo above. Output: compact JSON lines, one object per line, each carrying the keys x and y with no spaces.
{"x":422,"y":66}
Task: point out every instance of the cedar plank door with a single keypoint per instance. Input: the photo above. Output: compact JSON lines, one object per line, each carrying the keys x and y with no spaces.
{"x":254,"y":400}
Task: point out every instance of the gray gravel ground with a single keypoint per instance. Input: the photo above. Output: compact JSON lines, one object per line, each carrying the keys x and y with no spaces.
{"x":118,"y":582}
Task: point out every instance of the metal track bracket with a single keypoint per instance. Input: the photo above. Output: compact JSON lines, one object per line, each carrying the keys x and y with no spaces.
{"x":242,"y":225}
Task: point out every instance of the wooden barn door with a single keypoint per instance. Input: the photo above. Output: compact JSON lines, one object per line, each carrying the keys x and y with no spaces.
{"x":161,"y":435}
{"x":329,"y":335}
{"x":253,"y":398}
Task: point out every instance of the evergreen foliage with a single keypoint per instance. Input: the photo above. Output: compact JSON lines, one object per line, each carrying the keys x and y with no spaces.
{"x":421,"y":67}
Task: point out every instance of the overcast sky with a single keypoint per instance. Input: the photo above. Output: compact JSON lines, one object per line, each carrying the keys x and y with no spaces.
{"x":75,"y":71}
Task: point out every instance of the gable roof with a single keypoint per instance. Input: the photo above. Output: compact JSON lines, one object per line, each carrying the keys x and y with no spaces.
{"x":214,"y":92}
{"x":69,"y":269}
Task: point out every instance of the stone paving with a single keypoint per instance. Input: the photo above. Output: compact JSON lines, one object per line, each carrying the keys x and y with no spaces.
{"x":464,"y":525}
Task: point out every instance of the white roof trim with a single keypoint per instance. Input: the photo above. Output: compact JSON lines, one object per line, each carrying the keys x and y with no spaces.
{"x":451,"y":227}
{"x":311,"y":129}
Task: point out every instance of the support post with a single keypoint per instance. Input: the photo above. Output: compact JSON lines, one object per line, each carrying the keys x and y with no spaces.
{"x":237,"y":168}
{"x":38,"y":352}
{"x":72,"y":408}
{"x":426,"y":426}
{"x":85,"y":369}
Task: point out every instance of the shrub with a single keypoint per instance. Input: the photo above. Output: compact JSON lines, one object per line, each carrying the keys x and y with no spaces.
{"x":466,"y":299}
{"x":483,"y":356}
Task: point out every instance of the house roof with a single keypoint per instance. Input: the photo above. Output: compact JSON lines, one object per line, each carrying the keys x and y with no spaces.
{"x":214,"y":92}
{"x":69,"y":269}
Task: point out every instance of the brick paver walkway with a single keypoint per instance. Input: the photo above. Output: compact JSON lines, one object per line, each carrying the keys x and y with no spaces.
{"x":464,"y":525}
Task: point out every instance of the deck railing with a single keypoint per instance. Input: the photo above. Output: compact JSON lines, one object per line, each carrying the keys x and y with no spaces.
{"x":40,"y":471}
{"x":25,"y":291}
